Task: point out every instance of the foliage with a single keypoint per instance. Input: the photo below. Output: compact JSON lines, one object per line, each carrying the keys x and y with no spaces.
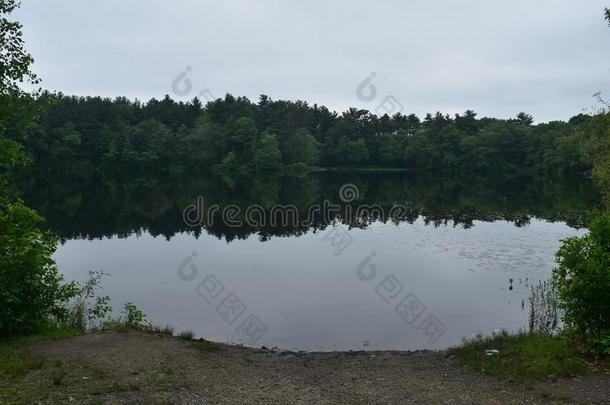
{"x":596,"y":149}
{"x":15,"y":61}
{"x":583,"y":281}
{"x":32,"y":294}
{"x":18,"y":110}
{"x":86,"y":136}
{"x":544,"y":311}
{"x":525,"y":119}
{"x":89,"y":311}
{"x":227,"y":166}
{"x":301,"y":147}
{"x":133,"y":318}
{"x":267,"y":155}
{"x":351,"y":152}
{"x":525,"y":356}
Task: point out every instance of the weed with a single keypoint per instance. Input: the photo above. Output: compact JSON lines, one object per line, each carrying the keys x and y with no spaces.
{"x":186,"y":335}
{"x":524,"y":356}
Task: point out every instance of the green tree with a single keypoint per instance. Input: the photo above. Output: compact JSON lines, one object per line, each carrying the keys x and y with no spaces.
{"x":241,"y":136}
{"x":525,"y":119}
{"x":388,"y":148}
{"x":64,"y":149}
{"x":583,"y":281}
{"x":207,"y":142}
{"x":15,"y":62}
{"x":596,"y":150}
{"x":32,"y":295}
{"x":421,"y":153}
{"x":227,"y":166}
{"x":17,"y":108}
{"x":352,"y":153}
{"x":267,"y":155}
{"x":31,"y":292}
{"x":301,"y":147}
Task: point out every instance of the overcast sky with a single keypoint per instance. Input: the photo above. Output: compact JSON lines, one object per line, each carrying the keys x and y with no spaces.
{"x":545,"y":57}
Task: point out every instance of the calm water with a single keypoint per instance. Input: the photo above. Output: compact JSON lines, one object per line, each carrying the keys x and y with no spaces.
{"x":428,"y":277}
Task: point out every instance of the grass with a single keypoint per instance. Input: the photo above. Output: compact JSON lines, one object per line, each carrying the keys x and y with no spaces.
{"x":186,"y":335}
{"x":56,"y":381}
{"x":15,"y":361}
{"x":121,"y":325}
{"x":523,"y":357}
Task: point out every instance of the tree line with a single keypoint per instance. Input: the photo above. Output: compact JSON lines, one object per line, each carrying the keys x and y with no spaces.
{"x":81,"y":136}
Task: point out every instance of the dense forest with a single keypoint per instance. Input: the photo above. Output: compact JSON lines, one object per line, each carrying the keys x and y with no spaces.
{"x":85,"y":136}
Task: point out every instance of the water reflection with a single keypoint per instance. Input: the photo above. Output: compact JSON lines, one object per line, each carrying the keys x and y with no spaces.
{"x":98,"y":208}
{"x":459,"y":261}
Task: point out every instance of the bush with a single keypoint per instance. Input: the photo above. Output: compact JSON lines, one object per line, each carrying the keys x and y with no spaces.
{"x":32,"y":295}
{"x":88,"y":312}
{"x":583,"y":284}
{"x":135,"y":317}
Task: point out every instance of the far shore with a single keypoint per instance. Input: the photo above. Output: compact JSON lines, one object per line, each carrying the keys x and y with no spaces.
{"x":316,"y":169}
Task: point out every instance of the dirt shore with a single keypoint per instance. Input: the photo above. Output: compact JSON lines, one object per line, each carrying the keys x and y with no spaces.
{"x":139,"y":368}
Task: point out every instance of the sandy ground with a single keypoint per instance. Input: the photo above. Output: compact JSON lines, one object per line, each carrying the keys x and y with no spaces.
{"x":138,"y":368}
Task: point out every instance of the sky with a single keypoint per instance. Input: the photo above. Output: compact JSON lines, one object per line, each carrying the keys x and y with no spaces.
{"x":498,"y":58}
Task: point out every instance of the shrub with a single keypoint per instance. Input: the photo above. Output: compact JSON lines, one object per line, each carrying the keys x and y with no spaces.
{"x":32,"y":295}
{"x":583,"y":284}
{"x":134,"y":317}
{"x":89,"y":311}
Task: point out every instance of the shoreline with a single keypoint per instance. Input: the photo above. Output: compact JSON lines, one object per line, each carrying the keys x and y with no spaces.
{"x":139,"y":367}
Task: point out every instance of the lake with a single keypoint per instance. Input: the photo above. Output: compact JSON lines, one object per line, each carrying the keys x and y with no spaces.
{"x":331,"y":261}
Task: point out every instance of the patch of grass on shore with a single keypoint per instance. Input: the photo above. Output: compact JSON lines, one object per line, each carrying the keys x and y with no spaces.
{"x":523,"y":356}
{"x":186,"y":335}
{"x":16,"y":361}
{"x":163,"y":330}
